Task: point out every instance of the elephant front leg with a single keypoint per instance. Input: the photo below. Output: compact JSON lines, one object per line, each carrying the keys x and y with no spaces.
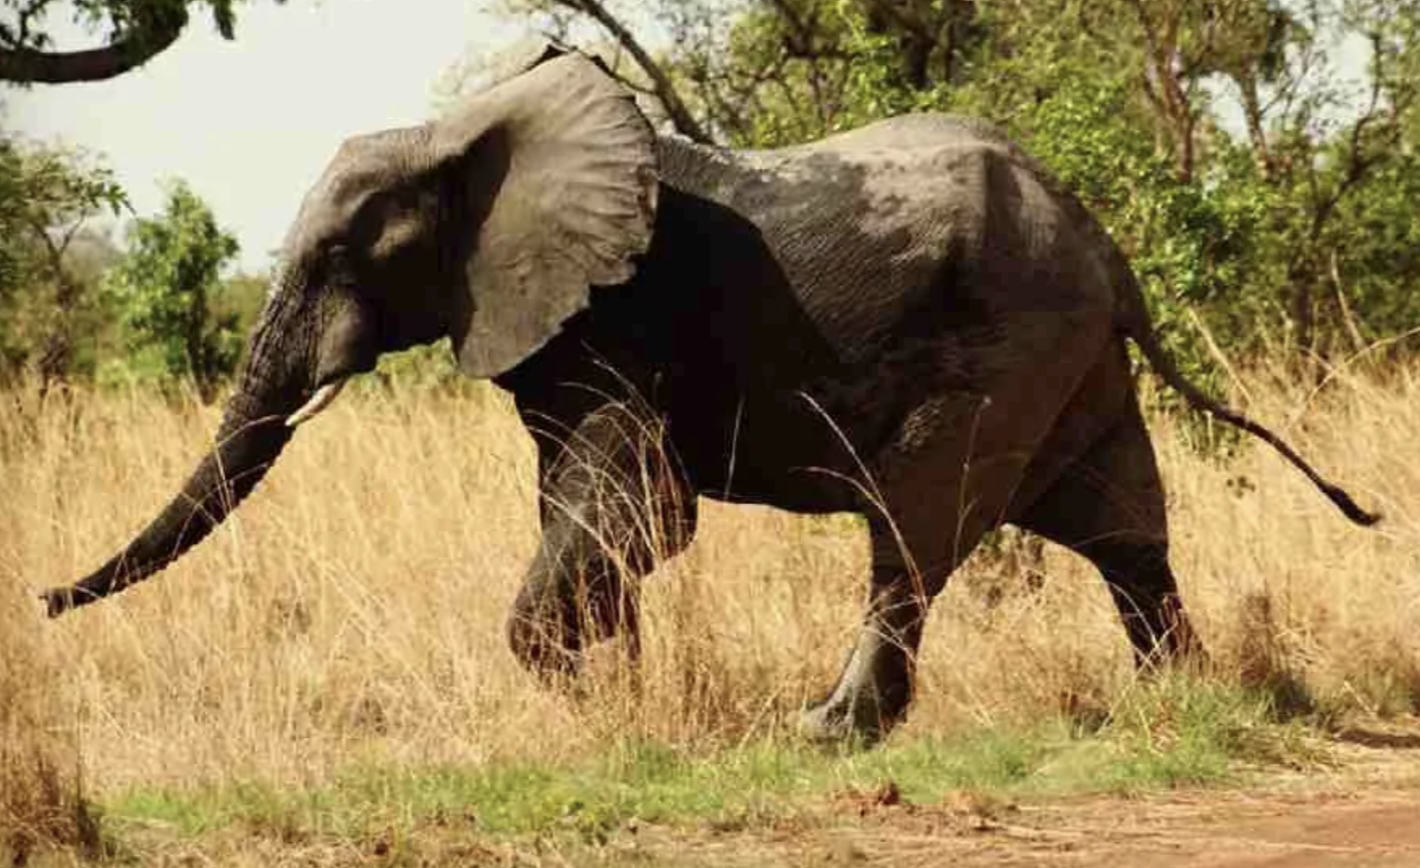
{"x":573,"y":597}
{"x":614,"y":504}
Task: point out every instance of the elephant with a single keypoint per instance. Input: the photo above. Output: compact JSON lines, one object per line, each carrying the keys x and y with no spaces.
{"x":912,"y":321}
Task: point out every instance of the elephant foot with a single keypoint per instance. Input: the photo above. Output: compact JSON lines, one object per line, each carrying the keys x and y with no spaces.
{"x":841,"y":723}
{"x":871,"y":696}
{"x":859,"y":715}
{"x":1175,"y":647}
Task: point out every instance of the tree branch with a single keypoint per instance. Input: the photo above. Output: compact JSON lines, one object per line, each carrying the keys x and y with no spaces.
{"x":1161,"y":43}
{"x":1253,"y":114}
{"x":151,"y":37}
{"x":680,"y":116}
{"x":1358,"y":160}
{"x":58,"y":352}
{"x":915,"y":38}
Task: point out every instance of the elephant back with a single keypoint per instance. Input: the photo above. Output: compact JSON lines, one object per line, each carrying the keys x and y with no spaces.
{"x":905,"y":227}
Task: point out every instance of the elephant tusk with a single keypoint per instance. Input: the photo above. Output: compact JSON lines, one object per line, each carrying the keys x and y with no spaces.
{"x":318,"y":402}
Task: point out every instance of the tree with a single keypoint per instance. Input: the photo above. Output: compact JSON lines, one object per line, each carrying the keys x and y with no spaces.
{"x":47,"y":197}
{"x":136,"y":31}
{"x":166,"y":288}
{"x":1314,"y":144}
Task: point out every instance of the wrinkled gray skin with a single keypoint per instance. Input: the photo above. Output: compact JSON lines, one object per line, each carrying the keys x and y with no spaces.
{"x":910,"y":321}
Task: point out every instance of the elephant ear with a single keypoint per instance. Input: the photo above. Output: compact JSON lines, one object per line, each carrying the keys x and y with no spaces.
{"x":560,"y":172}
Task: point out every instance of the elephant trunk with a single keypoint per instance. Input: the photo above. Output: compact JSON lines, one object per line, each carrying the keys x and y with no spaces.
{"x":246,"y":448}
{"x":252,"y":434}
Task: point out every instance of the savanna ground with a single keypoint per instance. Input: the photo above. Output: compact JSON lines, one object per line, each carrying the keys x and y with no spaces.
{"x":325,"y":680}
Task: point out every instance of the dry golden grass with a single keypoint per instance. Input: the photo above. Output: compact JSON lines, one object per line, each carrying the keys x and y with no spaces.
{"x":354,"y":608}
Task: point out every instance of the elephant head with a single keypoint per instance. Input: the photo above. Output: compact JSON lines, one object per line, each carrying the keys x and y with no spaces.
{"x":488,"y":225}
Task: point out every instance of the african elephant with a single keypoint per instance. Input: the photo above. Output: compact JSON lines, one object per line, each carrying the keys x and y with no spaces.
{"x":911,"y":321}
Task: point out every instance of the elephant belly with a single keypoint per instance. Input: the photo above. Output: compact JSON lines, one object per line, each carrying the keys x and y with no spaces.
{"x":808,"y":450}
{"x":979,"y":395}
{"x":782,"y":452}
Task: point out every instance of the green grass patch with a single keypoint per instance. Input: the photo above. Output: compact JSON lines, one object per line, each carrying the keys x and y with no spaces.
{"x":1165,"y":732}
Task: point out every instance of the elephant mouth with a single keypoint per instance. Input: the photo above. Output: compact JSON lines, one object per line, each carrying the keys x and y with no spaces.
{"x":322,"y":398}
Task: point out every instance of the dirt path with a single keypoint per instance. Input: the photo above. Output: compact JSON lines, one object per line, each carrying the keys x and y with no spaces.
{"x":1243,"y":831}
{"x":1363,"y":830}
{"x":1364,"y":812}
{"x":1375,"y":830}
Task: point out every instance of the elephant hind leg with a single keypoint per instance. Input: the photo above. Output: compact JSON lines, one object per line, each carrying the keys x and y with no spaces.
{"x":614,"y":504}
{"x":1109,"y":507}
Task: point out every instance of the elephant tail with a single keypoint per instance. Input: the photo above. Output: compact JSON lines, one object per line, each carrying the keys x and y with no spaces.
{"x":1139,"y":327}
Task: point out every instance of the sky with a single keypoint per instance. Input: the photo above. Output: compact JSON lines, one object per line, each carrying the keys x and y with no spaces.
{"x":250,"y":124}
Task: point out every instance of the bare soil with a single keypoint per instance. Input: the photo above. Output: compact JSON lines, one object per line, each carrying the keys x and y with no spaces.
{"x":1250,"y":830}
{"x":1362,"y":811}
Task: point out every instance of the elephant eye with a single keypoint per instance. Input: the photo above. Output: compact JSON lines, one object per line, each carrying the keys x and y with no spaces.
{"x":337,"y":261}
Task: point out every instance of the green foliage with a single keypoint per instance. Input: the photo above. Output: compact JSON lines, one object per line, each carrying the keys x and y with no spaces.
{"x":1377,"y":245}
{"x":167,"y":288}
{"x":240,"y":299}
{"x":1190,"y":243}
{"x":429,"y":367}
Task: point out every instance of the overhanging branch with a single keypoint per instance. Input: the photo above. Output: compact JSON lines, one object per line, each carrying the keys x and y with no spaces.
{"x":141,"y":44}
{"x":680,"y":116}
